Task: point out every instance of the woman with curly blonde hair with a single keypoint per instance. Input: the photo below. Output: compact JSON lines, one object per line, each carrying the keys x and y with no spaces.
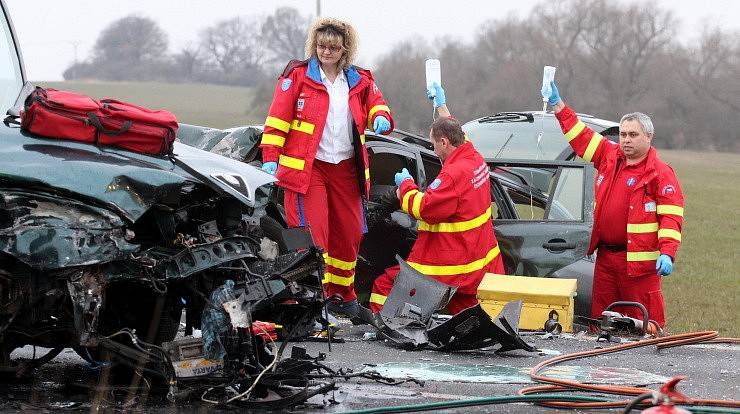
{"x":314,"y":142}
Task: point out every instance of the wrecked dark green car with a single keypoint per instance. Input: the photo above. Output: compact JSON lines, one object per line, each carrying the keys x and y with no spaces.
{"x":99,"y":246}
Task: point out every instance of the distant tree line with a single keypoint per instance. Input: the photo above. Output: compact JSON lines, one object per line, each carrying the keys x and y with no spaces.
{"x":241,"y":51}
{"x":612,"y":58}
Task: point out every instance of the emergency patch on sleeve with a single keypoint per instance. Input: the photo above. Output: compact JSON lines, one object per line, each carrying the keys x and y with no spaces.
{"x":668,"y":190}
{"x":435,"y":184}
{"x":286,"y":84}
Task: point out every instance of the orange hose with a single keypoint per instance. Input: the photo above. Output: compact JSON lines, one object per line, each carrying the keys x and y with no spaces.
{"x":562,"y":385}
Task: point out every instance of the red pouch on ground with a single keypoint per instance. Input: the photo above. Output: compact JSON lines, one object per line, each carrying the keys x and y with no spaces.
{"x":67,"y":115}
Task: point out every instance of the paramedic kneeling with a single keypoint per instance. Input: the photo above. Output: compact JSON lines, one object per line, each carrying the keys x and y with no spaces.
{"x":455,"y":243}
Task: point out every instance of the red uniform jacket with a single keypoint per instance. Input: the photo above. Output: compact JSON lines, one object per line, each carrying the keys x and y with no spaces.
{"x":656,"y":202}
{"x":456,"y":244}
{"x":297,"y":116}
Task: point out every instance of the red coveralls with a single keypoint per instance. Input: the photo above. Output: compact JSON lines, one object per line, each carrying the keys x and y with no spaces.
{"x":327,"y":198}
{"x":456,"y":244}
{"x":625,"y":266}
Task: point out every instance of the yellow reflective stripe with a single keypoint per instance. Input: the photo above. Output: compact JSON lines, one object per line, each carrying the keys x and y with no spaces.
{"x":405,"y":199}
{"x":436,"y":270}
{"x":642,"y":256}
{"x":339,"y":264}
{"x":272,"y":139}
{"x":367,"y":173}
{"x":670,"y":233}
{"x":416,"y":206}
{"x":377,"y":298}
{"x":302,"y":126}
{"x":642,"y":228}
{"x":669,"y":209}
{"x":277,"y":123}
{"x":377,"y":108}
{"x":592,"y":146}
{"x":573,"y":132}
{"x":338,"y":280}
{"x":459,"y":226}
{"x":290,"y":162}
{"x":362,"y":139}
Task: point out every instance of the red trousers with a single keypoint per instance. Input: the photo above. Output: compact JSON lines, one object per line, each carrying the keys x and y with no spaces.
{"x":332,"y":209}
{"x":611,"y":284}
{"x":459,"y":301}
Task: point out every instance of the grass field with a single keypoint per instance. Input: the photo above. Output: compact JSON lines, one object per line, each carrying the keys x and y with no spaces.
{"x":702,"y":294}
{"x":210,"y":105}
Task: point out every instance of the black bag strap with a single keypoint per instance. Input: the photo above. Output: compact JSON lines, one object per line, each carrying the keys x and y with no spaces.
{"x":95,"y":121}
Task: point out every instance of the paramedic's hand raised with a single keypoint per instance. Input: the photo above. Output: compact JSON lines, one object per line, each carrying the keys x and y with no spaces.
{"x":402,"y":176}
{"x":270,"y":167}
{"x":438,"y":94}
{"x":381,"y":124}
{"x":664,"y":265}
{"x":552,"y":95}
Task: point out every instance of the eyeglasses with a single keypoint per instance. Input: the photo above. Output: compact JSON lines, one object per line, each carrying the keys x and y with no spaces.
{"x":330,"y":49}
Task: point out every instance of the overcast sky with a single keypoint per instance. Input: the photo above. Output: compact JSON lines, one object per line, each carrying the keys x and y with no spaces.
{"x":51,"y":30}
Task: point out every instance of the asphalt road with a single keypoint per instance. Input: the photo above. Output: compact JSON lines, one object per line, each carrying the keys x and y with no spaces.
{"x":712,"y":372}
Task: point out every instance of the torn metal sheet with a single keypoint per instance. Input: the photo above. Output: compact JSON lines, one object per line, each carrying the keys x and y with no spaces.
{"x":240,"y":143}
{"x":407,"y":311}
{"x":473,"y":329}
{"x":503,"y":374}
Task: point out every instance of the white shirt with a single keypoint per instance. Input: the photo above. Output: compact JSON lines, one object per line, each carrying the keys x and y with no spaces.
{"x":336,"y":139}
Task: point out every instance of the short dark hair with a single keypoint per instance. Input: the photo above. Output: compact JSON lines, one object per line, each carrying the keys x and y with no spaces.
{"x":450,"y":128}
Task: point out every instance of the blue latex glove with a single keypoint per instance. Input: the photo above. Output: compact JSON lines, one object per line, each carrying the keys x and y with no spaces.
{"x":551,"y":93}
{"x":664,"y":265}
{"x":438,"y":94}
{"x":402,"y":176}
{"x":270,"y":167}
{"x":381,"y":124}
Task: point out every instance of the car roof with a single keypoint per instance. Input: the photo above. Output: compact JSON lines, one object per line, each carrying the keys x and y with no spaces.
{"x":531,"y":116}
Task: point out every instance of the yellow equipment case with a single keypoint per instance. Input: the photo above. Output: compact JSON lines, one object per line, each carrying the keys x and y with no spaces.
{"x":540,"y":295}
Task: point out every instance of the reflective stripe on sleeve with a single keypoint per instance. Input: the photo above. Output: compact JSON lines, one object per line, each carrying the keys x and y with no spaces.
{"x":416,"y":205}
{"x":302,"y":126}
{"x":453,"y":270}
{"x":642,"y":256}
{"x":459,"y":226}
{"x":405,"y":199}
{"x":290,"y":162}
{"x":277,"y":123}
{"x":670,"y":209}
{"x":669,"y":233}
{"x":592,"y":146}
{"x":367,"y":173}
{"x":642,"y":227}
{"x":377,"y":108}
{"x":573,"y":132}
{"x":272,"y":139}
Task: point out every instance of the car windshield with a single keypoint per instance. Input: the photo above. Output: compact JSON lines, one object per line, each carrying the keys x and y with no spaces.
{"x":517,"y":140}
{"x":517,"y":136}
{"x":11,"y":79}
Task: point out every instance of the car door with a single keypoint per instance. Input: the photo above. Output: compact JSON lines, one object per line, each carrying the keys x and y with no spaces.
{"x":544,"y":213}
{"x":384,"y":240}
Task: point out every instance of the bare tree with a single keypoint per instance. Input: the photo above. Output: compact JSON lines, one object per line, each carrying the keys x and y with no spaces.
{"x":232,"y":44}
{"x":284,"y":34}
{"x":130,"y":41}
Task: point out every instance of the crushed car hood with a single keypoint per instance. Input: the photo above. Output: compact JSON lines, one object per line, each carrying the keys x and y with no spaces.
{"x":126,"y":182}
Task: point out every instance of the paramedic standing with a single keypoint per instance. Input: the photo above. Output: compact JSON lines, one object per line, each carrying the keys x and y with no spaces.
{"x":638,"y":214}
{"x":314,"y":143}
{"x":455,"y":243}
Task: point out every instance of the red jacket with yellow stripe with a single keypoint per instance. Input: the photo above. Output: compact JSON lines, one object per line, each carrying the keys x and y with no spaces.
{"x":456,"y":244}
{"x":656,"y":202}
{"x":296,"y":119}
